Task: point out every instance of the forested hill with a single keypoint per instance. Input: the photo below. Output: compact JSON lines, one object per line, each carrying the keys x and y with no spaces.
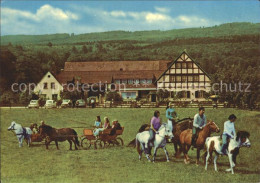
{"x":228,"y":29}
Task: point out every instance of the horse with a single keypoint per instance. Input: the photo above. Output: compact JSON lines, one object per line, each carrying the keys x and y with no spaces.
{"x":178,"y":127}
{"x":159,"y":142}
{"x":185,"y":139}
{"x":21,"y":133}
{"x":213,"y":144}
{"x":53,"y":134}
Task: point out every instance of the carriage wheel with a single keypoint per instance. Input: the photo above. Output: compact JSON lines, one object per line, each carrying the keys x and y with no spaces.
{"x":120,"y":141}
{"x":99,"y":144}
{"x":105,"y":144}
{"x":85,"y":143}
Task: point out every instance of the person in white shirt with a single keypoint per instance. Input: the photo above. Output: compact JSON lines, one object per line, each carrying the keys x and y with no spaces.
{"x":229,"y":132}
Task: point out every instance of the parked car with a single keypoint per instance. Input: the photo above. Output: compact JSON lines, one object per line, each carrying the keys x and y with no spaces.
{"x":80,"y":103}
{"x":34,"y":104}
{"x":66,"y":103}
{"x":50,"y":104}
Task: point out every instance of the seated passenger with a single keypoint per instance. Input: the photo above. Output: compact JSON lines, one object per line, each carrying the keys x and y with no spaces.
{"x":115,"y":126}
{"x":98,"y":123}
{"x":106,"y":126}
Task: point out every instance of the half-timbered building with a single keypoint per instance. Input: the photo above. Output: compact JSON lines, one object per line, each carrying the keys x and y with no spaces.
{"x":140,"y":79}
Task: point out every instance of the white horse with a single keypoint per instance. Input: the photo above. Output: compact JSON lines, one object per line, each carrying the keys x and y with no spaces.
{"x":21,"y":133}
{"x":159,"y":141}
{"x":213,"y":145}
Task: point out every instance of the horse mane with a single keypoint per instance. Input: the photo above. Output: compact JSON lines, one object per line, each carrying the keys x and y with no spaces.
{"x":242,"y":134}
{"x":46,"y":128}
{"x":184,"y":119}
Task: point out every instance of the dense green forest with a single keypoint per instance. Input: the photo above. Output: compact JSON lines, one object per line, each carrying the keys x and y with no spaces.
{"x":228,"y":52}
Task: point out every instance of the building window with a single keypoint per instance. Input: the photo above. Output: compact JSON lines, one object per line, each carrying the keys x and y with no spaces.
{"x":124,"y":81}
{"x":189,"y":65}
{"x":178,"y":78}
{"x":52,"y":85}
{"x":184,"y":79}
{"x":178,"y":65}
{"x":172,"y":79}
{"x":117,"y":81}
{"x":128,"y":95}
{"x":196,"y":78}
{"x":143,"y":81}
{"x":190,"y":78}
{"x":54,"y":97}
{"x":184,"y":65}
{"x":130,"y":81}
{"x":149,"y":81}
{"x":45,"y":85}
{"x":137,"y":81}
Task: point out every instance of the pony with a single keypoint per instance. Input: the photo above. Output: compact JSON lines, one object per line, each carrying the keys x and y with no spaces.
{"x":178,"y":127}
{"x":159,"y":142}
{"x":213,"y":144}
{"x":53,"y":134}
{"x":21,"y":133}
{"x":185,"y":140}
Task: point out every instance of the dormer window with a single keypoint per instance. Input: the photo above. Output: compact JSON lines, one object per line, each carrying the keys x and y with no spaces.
{"x":149,"y":81}
{"x":49,"y":76}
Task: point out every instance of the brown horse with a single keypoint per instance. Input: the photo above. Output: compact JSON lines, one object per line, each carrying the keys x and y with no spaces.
{"x":179,"y":127}
{"x":185,"y":139}
{"x":53,"y":134}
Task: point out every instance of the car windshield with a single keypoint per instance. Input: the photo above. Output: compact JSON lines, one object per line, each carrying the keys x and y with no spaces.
{"x":49,"y":102}
{"x":33,"y":101}
{"x":65,"y":101}
{"x":81,"y":100}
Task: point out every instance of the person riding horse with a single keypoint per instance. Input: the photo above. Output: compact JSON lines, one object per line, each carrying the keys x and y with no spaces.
{"x":198,"y":123}
{"x":229,"y":132}
{"x":155,"y":125}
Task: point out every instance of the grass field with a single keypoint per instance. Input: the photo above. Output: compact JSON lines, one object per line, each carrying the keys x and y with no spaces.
{"x":117,"y":164}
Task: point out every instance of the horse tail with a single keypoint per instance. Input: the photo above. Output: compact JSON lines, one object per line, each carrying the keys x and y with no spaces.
{"x":76,"y":137}
{"x":132,"y":143}
{"x":137,"y":144}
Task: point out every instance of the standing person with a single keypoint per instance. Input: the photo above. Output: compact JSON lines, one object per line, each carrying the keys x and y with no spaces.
{"x":229,"y":132}
{"x":171,"y":115}
{"x":198,"y":123}
{"x":92,"y":101}
{"x":155,"y":125}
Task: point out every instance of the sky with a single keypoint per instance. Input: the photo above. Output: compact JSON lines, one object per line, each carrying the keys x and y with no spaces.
{"x":48,"y":17}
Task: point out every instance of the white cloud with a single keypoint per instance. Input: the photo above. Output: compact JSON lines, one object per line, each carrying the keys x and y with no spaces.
{"x":48,"y":19}
{"x":162,"y":9}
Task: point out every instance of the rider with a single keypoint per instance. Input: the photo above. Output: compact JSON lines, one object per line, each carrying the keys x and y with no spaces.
{"x":198,"y":123}
{"x":229,"y":132}
{"x":171,"y":115}
{"x":155,"y":125}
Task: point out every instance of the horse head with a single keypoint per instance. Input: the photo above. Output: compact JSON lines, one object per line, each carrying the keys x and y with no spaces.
{"x":213,"y":126}
{"x":243,"y":136}
{"x":165,"y":131}
{"x":11,"y":127}
{"x":45,"y":130}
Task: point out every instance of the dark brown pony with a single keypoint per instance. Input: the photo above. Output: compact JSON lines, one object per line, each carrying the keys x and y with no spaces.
{"x":185,"y":139}
{"x":53,"y":134}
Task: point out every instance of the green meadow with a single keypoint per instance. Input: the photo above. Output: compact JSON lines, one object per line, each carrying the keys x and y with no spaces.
{"x":117,"y":164}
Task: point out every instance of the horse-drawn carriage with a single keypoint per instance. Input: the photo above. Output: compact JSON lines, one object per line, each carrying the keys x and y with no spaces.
{"x":103,"y":140}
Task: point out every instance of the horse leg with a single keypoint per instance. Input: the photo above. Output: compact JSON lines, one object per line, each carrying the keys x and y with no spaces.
{"x":215,"y":162}
{"x":166,"y":153}
{"x":141,"y":151}
{"x":56,"y":142}
{"x":198,"y":156}
{"x":154,"y":153}
{"x":207,"y":158}
{"x":70,"y":144}
{"x":231,"y":164}
{"x":29,"y":140}
{"x":76,"y":148}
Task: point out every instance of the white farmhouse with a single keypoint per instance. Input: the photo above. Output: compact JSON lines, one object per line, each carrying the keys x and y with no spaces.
{"x":49,"y":87}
